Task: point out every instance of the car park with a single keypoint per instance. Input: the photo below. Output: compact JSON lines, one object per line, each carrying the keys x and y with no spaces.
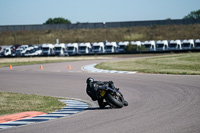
{"x":63,"y":49}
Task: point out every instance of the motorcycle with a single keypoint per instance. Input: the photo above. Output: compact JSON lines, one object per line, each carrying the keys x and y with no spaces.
{"x":105,"y":91}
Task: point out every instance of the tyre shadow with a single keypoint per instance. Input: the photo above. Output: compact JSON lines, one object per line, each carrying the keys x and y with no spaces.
{"x":97,"y":108}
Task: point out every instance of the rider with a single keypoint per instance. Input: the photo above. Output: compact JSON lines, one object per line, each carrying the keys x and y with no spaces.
{"x":92,"y":90}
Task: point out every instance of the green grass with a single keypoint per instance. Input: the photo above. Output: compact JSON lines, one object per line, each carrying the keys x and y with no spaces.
{"x":6,"y":62}
{"x":185,"y":64}
{"x":11,"y":103}
{"x":29,"y":63}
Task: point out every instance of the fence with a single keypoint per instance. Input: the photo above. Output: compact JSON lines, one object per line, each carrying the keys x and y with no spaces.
{"x":98,"y":25}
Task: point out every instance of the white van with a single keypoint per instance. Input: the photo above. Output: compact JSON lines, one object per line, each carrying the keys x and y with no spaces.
{"x":84,"y":48}
{"x":47,"y":49}
{"x":174,"y":45}
{"x":150,"y":45}
{"x":161,"y":45}
{"x":60,"y":49}
{"x":72,"y":48}
{"x":187,"y":44}
{"x":197,"y":44}
{"x":111,"y":47}
{"x":122,"y":46}
{"x":98,"y":47}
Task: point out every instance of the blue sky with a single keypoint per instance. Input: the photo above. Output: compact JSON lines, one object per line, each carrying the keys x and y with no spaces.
{"x":19,"y":12}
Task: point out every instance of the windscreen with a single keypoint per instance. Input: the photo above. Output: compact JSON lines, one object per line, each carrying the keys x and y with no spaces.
{"x":96,"y":47}
{"x":159,"y":45}
{"x":186,"y":45}
{"x":57,"y":48}
{"x":70,"y":48}
{"x":82,"y":48}
{"x":147,"y":45}
{"x":198,"y":44}
{"x":45,"y":49}
{"x":108,"y":47}
{"x":122,"y":46}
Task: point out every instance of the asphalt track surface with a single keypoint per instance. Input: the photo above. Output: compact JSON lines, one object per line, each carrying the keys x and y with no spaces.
{"x":157,"y":103}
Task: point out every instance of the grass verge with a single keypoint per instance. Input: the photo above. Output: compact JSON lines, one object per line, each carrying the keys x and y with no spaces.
{"x":11,"y":103}
{"x":185,"y":64}
{"x":29,"y":63}
{"x":5,"y":62}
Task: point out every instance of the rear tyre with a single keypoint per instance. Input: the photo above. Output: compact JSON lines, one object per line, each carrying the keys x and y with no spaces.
{"x":114,"y":100}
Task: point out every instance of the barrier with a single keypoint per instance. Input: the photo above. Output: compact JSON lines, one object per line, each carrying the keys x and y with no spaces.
{"x":98,"y":25}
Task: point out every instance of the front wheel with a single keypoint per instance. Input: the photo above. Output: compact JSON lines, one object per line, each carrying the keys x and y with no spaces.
{"x":101,"y":103}
{"x":114,"y":100}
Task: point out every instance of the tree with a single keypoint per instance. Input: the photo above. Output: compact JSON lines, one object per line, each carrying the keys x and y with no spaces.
{"x":133,"y":48}
{"x":58,"y":20}
{"x":193,"y":15}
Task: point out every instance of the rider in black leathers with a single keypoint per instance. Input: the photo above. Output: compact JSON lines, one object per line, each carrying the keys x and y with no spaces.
{"x":92,"y":90}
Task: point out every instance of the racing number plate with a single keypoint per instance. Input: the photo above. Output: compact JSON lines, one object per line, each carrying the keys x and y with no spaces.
{"x":103,"y":92}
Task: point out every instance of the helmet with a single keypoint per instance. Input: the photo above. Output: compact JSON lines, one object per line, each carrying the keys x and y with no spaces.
{"x":89,"y":80}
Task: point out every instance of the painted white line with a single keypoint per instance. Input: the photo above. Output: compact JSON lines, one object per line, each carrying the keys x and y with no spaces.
{"x":91,"y":68}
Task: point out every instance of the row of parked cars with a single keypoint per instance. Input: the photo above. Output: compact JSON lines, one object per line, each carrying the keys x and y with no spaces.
{"x":97,"y":47}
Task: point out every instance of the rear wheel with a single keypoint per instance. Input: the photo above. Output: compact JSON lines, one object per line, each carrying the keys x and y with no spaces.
{"x":114,"y":100}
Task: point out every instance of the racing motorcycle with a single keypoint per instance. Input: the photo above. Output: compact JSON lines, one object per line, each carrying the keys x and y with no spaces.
{"x":105,"y":91}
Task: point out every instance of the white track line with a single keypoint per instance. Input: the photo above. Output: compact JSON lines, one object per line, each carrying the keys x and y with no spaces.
{"x":91,"y":68}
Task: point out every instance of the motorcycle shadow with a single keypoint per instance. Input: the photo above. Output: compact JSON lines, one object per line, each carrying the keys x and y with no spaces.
{"x":97,"y":108}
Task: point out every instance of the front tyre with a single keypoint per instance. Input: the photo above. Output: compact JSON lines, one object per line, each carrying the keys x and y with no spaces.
{"x":125,"y":103}
{"x":101,"y":103}
{"x":114,"y":100}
